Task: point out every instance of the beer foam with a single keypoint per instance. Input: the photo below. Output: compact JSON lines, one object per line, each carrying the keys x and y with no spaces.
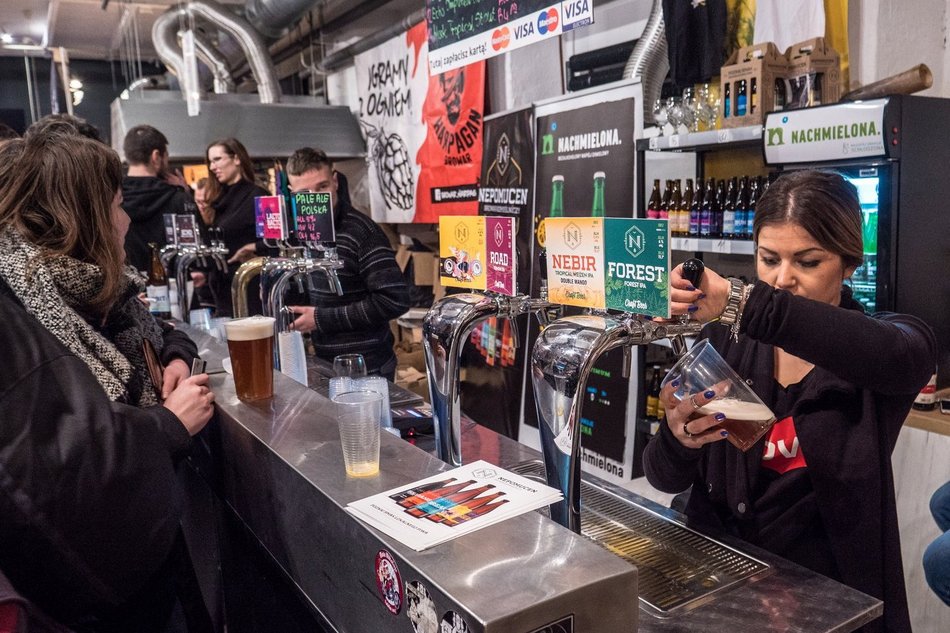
{"x":250,"y":329}
{"x":735,"y":409}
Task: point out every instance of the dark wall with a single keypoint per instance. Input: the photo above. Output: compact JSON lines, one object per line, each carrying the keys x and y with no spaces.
{"x":102,"y":82}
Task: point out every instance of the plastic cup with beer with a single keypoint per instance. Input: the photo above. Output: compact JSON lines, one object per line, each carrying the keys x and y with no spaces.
{"x":251,"y":345}
{"x":352,"y":365}
{"x":702,"y":369}
{"x":359,"y":414}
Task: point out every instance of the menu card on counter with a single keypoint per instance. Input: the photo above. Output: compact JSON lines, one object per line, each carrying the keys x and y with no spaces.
{"x":431,"y":511}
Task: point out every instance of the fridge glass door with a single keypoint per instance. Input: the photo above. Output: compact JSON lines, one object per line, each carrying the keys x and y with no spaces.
{"x":864,"y":281}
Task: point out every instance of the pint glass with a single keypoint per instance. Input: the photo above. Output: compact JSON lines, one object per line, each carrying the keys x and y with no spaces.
{"x":251,"y":344}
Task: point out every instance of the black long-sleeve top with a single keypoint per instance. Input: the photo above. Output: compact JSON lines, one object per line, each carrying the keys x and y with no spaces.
{"x":374,"y":292}
{"x":848,"y":414}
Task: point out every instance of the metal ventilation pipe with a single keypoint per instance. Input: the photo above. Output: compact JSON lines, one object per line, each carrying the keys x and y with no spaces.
{"x":211,"y":57}
{"x":250,"y":42}
{"x":165,"y":39}
{"x":649,"y":61}
{"x":273,"y":17}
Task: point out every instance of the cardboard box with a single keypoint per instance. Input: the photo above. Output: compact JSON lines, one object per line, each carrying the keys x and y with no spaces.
{"x":747,"y":84}
{"x":813,"y":76}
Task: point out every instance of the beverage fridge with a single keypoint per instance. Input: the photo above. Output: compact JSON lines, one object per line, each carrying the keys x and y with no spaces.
{"x":896,"y":152}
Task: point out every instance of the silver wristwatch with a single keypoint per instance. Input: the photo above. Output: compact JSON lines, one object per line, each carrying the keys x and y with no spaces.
{"x":730,"y":315}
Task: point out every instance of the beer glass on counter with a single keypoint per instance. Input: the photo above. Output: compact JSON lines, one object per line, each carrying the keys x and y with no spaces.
{"x":702,"y":368}
{"x":359,"y":415}
{"x":251,"y":345}
{"x":352,"y":365}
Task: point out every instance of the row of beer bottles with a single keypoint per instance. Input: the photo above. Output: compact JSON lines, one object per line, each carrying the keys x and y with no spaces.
{"x":597,"y":205}
{"x":447,"y":502}
{"x":716,"y":208}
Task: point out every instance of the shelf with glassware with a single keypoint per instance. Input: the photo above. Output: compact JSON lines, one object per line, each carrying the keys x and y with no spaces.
{"x":708,"y":140}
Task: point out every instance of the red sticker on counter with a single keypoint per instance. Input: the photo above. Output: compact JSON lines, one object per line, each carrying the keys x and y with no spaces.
{"x":389,"y":581}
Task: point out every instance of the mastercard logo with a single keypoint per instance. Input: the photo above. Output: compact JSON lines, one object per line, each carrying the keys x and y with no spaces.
{"x":547,"y":21}
{"x":500,"y":38}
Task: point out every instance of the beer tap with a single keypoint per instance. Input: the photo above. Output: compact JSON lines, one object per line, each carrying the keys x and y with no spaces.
{"x":444,"y":330}
{"x":561,"y":361}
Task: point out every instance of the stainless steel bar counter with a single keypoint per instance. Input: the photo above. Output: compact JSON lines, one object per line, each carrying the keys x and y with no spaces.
{"x":280,"y":470}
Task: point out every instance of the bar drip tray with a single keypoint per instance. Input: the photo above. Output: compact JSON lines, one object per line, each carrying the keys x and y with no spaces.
{"x":679,"y":569}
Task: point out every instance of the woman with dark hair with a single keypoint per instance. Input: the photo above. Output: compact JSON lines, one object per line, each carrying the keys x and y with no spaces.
{"x":818,"y":488}
{"x":89,"y":438}
{"x":231,"y":192}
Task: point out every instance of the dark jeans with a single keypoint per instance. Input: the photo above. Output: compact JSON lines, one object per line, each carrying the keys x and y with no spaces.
{"x":937,"y":554}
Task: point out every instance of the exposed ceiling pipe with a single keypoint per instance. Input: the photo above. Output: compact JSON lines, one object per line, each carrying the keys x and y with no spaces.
{"x":165,"y":39}
{"x":344,"y":55}
{"x":215,"y":61}
{"x":272,"y":18}
{"x":649,"y":61}
{"x":250,"y":42}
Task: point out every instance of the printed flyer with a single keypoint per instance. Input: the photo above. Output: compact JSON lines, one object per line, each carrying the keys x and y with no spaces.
{"x":430,"y":511}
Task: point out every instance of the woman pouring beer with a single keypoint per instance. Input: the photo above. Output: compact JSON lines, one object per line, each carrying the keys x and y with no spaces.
{"x":818,"y":488}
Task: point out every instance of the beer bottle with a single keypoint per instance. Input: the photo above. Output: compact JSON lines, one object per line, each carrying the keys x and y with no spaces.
{"x":694,"y":210}
{"x":706,"y":213}
{"x":653,"y":206}
{"x":653,"y":394}
{"x":597,"y":208}
{"x":742,"y":98}
{"x":753,"y":95}
{"x":463,"y":509}
{"x":474,"y":514}
{"x":729,"y":211}
{"x":665,"y":205}
{"x":727,"y":101}
{"x":715,"y":225}
{"x":754,"y":194}
{"x":669,"y":211}
{"x":742,"y":202}
{"x":447,"y":501}
{"x":418,"y":490}
{"x":682,"y":222}
{"x":157,"y":286}
{"x":557,"y":196}
{"x":429,"y":495}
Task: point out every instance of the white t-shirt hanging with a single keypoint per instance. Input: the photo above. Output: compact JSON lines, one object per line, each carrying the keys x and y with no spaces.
{"x":787,"y":22}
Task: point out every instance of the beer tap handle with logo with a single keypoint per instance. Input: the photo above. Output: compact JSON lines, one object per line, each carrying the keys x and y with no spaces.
{"x":693,"y":270}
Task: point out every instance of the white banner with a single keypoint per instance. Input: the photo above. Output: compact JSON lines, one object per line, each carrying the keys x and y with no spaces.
{"x":837,"y":132}
{"x":393,"y":79}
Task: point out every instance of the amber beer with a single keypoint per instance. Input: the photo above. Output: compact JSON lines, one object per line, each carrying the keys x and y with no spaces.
{"x":745,"y":421}
{"x":251,"y":343}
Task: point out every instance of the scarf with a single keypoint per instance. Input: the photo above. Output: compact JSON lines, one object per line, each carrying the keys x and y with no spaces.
{"x":57,"y":292}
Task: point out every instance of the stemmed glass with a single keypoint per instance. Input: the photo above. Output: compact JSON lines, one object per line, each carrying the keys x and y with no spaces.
{"x":660,"y":113}
{"x":349,"y":365}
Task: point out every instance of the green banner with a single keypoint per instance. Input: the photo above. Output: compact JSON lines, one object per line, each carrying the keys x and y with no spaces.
{"x":637,"y":265}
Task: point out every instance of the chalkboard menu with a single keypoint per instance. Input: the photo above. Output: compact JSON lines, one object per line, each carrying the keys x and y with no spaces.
{"x":314,"y":216}
{"x":466,"y":31}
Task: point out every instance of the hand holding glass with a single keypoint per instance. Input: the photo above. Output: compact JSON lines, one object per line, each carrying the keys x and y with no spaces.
{"x":701,"y":369}
{"x":359,"y":413}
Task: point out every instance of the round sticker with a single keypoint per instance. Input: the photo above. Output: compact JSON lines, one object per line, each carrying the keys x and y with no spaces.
{"x":452,"y":622}
{"x":448,"y":265}
{"x":421,"y":609}
{"x":389,"y":581}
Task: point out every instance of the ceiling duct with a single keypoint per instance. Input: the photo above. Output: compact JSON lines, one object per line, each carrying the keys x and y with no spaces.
{"x":649,"y":61}
{"x":272,"y":18}
{"x":211,"y":57}
{"x":268,"y":130}
{"x":344,"y":55}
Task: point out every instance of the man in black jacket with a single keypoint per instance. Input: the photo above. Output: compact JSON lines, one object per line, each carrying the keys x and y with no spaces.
{"x":149,"y":191}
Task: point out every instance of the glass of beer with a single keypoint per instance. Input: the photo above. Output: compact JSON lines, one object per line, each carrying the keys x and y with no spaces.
{"x":251,"y":344}
{"x":359,"y":414}
{"x":701,"y":369}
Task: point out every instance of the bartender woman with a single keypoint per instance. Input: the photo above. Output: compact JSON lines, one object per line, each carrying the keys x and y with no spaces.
{"x":840,"y":383}
{"x":231,"y":194}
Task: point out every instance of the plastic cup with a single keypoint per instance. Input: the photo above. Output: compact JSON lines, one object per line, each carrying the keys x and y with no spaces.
{"x":352,"y":365}
{"x":358,"y":413}
{"x":381,"y":386}
{"x":701,"y":369}
{"x":200,"y":318}
{"x":251,"y":345}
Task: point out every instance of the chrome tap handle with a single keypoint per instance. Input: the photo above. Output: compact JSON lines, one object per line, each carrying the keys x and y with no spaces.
{"x":333,"y":280}
{"x":627,"y":360}
{"x":693,"y":270}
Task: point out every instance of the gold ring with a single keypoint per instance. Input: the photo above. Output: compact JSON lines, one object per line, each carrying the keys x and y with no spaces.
{"x":686,"y":430}
{"x":692,"y":401}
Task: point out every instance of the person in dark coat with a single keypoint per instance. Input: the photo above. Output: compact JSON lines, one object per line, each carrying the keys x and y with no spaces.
{"x":818,"y":488}
{"x":149,"y":191}
{"x":90,"y":436}
{"x":230,"y":192}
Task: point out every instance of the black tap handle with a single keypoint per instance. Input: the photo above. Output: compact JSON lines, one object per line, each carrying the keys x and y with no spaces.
{"x":543,"y":262}
{"x":693,"y":270}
